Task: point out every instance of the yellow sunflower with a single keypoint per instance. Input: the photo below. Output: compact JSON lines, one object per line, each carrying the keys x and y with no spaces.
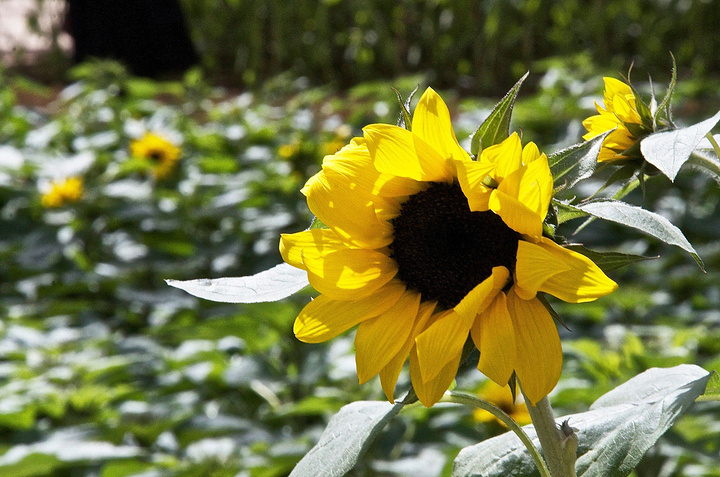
{"x":163,"y":154}
{"x":424,"y":247}
{"x":501,"y":397}
{"x":620,"y":113}
{"x":63,"y":192}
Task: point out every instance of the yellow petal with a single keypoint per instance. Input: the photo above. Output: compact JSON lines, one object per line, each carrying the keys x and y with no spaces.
{"x":614,"y":87}
{"x":389,"y":374}
{"x":379,"y":339}
{"x":494,"y":335}
{"x":351,"y":213}
{"x":310,"y":243}
{"x":355,"y":164}
{"x":534,"y":267}
{"x":598,"y":124}
{"x":581,"y":282}
{"x":507,"y":156}
{"x":471,"y":175}
{"x":430,"y":392}
{"x":530,"y":153}
{"x":324,"y":318}
{"x":431,"y":122}
{"x":349,"y":274}
{"x":531,"y":185}
{"x":440,"y":343}
{"x":515,"y":214}
{"x":482,"y":295}
{"x":538,"y":351}
{"x":399,"y":152}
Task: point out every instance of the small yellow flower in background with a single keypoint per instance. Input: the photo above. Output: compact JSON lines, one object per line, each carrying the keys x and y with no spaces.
{"x":620,"y":113}
{"x":501,"y":397}
{"x":163,"y":154}
{"x":287,"y":151}
{"x":425,"y":247}
{"x":63,"y":192}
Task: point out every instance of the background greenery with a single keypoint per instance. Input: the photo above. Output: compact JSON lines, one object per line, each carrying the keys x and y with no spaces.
{"x":106,"y":371}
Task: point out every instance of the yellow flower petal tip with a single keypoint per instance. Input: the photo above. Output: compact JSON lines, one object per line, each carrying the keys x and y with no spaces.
{"x":425,"y":248}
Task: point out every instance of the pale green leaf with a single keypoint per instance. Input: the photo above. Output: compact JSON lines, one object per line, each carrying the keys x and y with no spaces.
{"x":273,"y":284}
{"x":613,"y":435}
{"x":640,"y":219}
{"x":575,"y":163}
{"x":669,"y":150}
{"x":346,"y":438}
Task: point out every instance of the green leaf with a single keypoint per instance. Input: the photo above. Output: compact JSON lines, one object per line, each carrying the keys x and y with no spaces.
{"x":641,"y":219}
{"x":712,"y":391}
{"x":576,"y":162}
{"x":669,"y":150}
{"x":346,"y":438}
{"x":496,"y":127}
{"x":565,"y":211}
{"x":608,"y":261}
{"x":665,"y":103}
{"x":613,"y":435}
{"x":274,"y":284}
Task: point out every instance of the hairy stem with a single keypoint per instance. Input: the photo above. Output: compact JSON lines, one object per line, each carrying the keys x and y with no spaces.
{"x":469,"y":400}
{"x":559,"y":445}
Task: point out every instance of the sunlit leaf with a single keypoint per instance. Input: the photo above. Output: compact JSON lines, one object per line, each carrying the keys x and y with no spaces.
{"x":274,"y":284}
{"x":669,"y":150}
{"x":576,"y":162}
{"x":608,"y":261}
{"x":496,"y":127}
{"x":346,"y":438}
{"x":613,"y":435}
{"x":641,"y":219}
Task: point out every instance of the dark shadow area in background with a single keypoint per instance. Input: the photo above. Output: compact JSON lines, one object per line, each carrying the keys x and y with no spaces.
{"x":149,"y":36}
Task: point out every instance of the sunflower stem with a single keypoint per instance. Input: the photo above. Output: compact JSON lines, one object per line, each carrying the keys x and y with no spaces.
{"x":559,"y":444}
{"x":469,"y":400}
{"x":714,"y":143}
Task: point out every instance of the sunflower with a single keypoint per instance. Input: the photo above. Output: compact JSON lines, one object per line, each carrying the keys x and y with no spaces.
{"x":502,"y":397}
{"x":425,"y":247}
{"x":159,"y":151}
{"x":63,"y":192}
{"x":621,"y":113}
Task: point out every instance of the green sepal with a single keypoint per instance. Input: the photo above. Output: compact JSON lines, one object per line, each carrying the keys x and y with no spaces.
{"x":665,"y":105}
{"x":608,"y":261}
{"x":405,"y":119}
{"x":496,"y":127}
{"x":565,"y":211}
{"x":317,"y":224}
{"x":549,"y":308}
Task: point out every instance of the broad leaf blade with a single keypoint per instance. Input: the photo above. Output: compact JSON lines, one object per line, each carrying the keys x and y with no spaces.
{"x":565,"y":211}
{"x":577,"y":162}
{"x":346,"y":438}
{"x":641,"y":219}
{"x":613,"y":435}
{"x":669,"y":150}
{"x":274,"y":284}
{"x":496,"y":127}
{"x":608,"y":261}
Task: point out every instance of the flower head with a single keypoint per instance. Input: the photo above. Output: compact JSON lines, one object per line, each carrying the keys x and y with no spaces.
{"x":621,"y":113}
{"x":502,"y":397}
{"x":159,"y":151}
{"x":425,"y":247}
{"x":63,"y":192}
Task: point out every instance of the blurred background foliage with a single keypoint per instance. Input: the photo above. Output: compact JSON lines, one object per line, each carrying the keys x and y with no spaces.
{"x":106,"y":371}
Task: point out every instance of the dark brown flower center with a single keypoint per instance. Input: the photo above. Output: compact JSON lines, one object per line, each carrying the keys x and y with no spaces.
{"x":156,"y":156}
{"x":443,"y":250}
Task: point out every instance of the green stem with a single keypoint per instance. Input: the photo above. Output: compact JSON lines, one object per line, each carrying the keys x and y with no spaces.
{"x":469,"y":400}
{"x":714,"y":143}
{"x":559,"y":446}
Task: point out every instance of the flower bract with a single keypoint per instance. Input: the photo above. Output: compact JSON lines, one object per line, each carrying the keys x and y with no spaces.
{"x":425,"y":248}
{"x":162,"y":154}
{"x":621,"y":114}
